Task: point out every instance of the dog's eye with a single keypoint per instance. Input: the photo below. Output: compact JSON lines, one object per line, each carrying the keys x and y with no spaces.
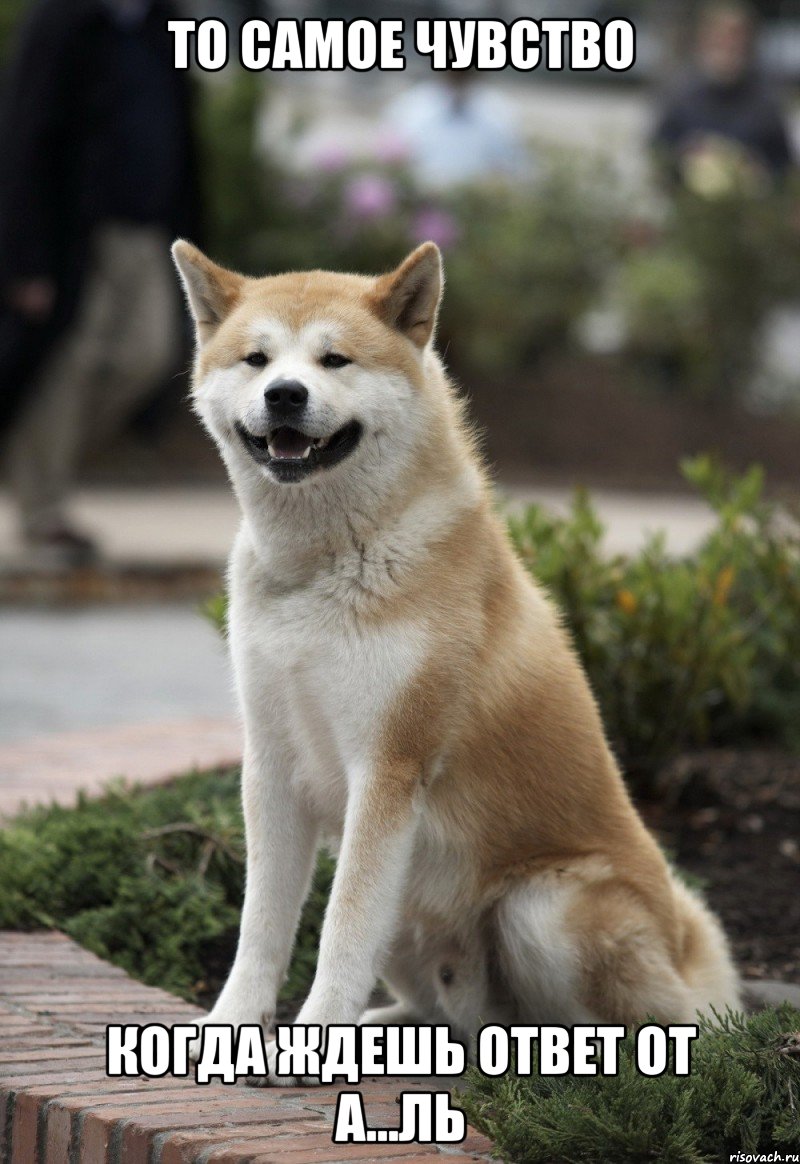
{"x":256,"y":360}
{"x":334,"y":360}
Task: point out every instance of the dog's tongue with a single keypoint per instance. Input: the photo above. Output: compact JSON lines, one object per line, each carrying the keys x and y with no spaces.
{"x":288,"y":443}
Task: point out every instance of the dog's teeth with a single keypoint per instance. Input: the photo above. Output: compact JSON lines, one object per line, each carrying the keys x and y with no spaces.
{"x":271,"y":451}
{"x":307,"y":452}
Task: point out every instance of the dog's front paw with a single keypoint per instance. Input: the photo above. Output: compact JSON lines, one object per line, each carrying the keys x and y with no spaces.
{"x":275,"y":1080}
{"x":225,"y":1017}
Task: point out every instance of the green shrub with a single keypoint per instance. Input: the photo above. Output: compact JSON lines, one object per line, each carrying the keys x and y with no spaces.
{"x":215,"y":609}
{"x":681,"y":652}
{"x":695,"y":298}
{"x":235,"y":182}
{"x":529,"y":263}
{"x":270,"y":219}
{"x":742,"y":1095}
{"x":151,"y":880}
{"x":11,"y":14}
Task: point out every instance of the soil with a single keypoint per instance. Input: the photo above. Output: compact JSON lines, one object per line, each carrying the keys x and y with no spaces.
{"x":574,"y":420}
{"x":734,"y":823}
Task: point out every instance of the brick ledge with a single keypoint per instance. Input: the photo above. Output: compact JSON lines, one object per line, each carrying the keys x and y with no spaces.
{"x":57,"y":1106}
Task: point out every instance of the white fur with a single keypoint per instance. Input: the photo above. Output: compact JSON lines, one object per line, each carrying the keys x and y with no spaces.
{"x":312,"y":682}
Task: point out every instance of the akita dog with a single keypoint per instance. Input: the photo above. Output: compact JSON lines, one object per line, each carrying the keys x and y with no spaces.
{"x":409,"y":694}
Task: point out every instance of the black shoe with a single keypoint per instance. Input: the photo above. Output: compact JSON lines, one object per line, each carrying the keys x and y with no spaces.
{"x":60,"y":548}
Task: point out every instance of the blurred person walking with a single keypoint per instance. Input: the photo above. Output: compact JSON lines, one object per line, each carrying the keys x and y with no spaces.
{"x":456,"y":131}
{"x":723,"y":125}
{"x":97,"y":174}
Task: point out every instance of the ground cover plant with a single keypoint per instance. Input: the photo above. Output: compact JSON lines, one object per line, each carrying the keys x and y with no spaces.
{"x":150,"y":879}
{"x":741,"y":1096}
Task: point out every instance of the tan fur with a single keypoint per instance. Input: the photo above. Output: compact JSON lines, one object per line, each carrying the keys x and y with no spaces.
{"x":496,"y":740}
{"x":530,"y":787}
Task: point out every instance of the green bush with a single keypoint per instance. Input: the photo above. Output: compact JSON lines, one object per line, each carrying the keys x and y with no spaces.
{"x":151,"y":880}
{"x":235,"y":183}
{"x":681,"y":652}
{"x":526,"y":261}
{"x":529,"y":263}
{"x":742,"y":1095}
{"x":11,"y":13}
{"x":353,"y":215}
{"x":695,"y":297}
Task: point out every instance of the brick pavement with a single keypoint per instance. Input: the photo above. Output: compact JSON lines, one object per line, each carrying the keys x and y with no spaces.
{"x":57,"y":1106}
{"x":56,"y":768}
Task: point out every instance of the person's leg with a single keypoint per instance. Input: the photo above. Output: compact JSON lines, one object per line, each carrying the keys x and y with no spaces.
{"x":145,"y":342}
{"x":124,"y":338}
{"x":44,"y":445}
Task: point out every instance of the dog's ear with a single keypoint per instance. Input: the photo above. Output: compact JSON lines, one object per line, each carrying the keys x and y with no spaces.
{"x":211,"y":291}
{"x":408,"y":298}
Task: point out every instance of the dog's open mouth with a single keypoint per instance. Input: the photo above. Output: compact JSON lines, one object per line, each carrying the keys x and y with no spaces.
{"x":291,"y":454}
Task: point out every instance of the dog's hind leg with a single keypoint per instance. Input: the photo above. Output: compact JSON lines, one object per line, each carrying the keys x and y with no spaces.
{"x":463,"y":987}
{"x":396,"y":1014}
{"x":409,"y":978}
{"x":578,"y":952}
{"x":447,"y":980}
{"x":539,"y":959}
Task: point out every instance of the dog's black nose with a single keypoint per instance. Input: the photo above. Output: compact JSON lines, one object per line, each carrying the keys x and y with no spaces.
{"x":286,"y":397}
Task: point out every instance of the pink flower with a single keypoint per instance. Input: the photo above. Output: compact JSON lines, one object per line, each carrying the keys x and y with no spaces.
{"x":391,"y":149}
{"x":331,"y":158}
{"x":370,"y":196}
{"x":437,"y":225}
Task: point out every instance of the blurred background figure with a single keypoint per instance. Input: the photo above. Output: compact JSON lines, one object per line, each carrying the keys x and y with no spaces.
{"x":724,"y":111}
{"x":97,"y":174}
{"x":457,"y":131}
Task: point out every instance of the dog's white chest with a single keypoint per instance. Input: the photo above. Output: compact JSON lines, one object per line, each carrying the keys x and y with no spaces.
{"x":326,"y":683}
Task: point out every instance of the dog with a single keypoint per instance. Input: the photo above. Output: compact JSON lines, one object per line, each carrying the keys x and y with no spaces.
{"x":409,"y":694}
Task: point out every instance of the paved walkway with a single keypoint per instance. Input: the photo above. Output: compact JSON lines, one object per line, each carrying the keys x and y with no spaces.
{"x":73,"y":678}
{"x":142,"y":693}
{"x":154,"y":526}
{"x":77,"y":669}
{"x":197,"y":526}
{"x":59,"y":1104}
